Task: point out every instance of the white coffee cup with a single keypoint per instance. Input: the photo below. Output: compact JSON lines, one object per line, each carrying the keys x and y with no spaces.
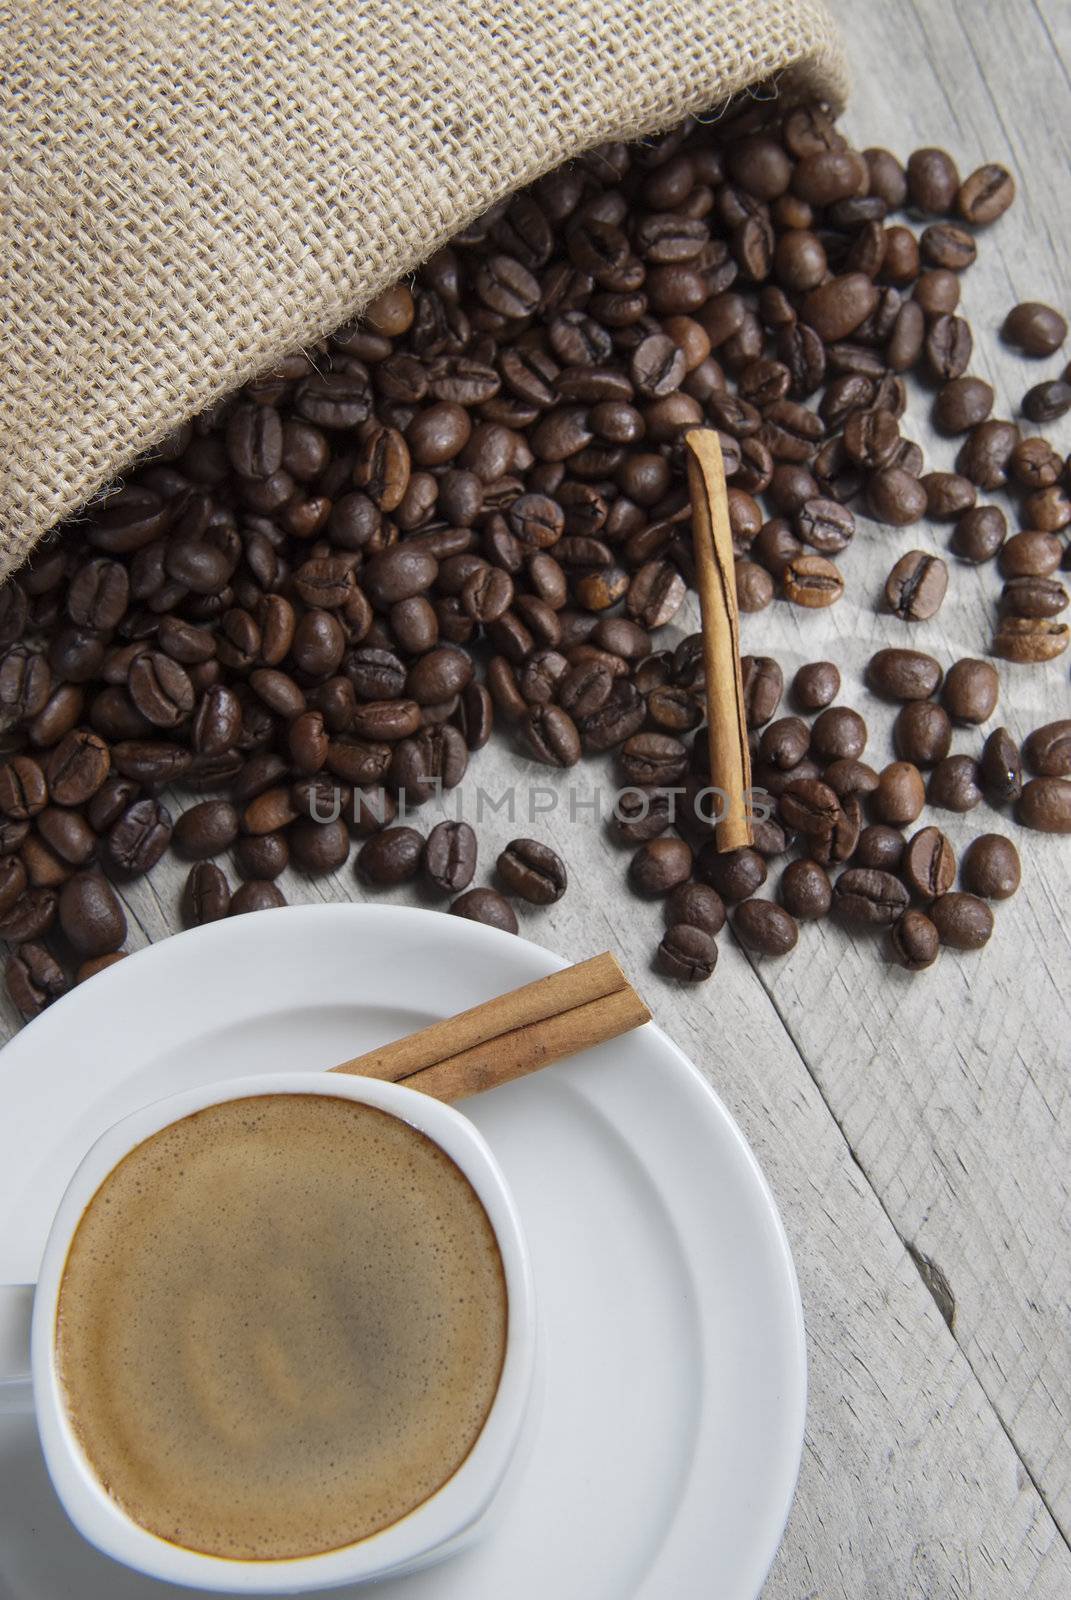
{"x":439,"y":1526}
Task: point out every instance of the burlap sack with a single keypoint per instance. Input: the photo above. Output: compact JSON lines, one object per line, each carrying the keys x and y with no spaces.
{"x":195,"y":187}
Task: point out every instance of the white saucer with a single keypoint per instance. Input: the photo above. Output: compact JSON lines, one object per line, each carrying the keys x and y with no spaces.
{"x":664,"y":1444}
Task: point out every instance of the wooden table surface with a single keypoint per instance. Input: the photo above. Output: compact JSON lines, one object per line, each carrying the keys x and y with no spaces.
{"x":916,"y":1131}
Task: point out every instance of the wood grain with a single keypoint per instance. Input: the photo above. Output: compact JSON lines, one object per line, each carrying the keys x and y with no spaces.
{"x":902,"y":1122}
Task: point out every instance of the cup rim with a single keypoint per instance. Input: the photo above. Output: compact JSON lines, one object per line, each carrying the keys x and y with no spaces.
{"x":439,"y":1521}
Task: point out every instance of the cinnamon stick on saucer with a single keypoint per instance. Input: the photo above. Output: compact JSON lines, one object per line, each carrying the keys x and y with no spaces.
{"x":715,"y":578}
{"x":514,"y":1034}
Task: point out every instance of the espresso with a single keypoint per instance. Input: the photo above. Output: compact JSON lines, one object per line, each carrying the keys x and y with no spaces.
{"x":281,"y":1326}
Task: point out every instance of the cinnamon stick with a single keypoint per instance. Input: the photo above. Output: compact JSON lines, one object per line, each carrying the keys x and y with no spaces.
{"x":514,"y":1034}
{"x":730,"y":759}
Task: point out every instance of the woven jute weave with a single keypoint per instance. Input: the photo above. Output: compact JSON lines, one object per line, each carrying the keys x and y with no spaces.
{"x":195,"y":187}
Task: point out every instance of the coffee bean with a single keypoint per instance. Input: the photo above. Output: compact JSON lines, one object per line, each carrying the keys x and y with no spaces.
{"x":255,"y":895}
{"x":979,"y":533}
{"x":763,"y":686}
{"x":928,"y":866}
{"x":903,"y":675}
{"x":1047,"y":402}
{"x":896,"y":497}
{"x":809,"y":806}
{"x":639,"y":817}
{"x":160,"y":689}
{"x":900,"y":794}
{"x":734,"y":874}
{"x":138,"y":839}
{"x":487,"y":906}
{"x":1047,"y":751}
{"x":869,"y":897}
{"x":849,"y":776}
{"x":77,"y":767}
{"x":764,"y":927}
{"x":696,"y":905}
{"x":990,"y":867}
{"x":261,"y":855}
{"x":879,"y":846}
{"x":916,"y":586}
{"x":970,"y":691}
{"x":812,"y":581}
{"x":319,"y":847}
{"x":932,"y":181}
{"x":961,"y":403}
{"x":1000,"y":767}
{"x":23,"y":788}
{"x":1030,"y":639}
{"x":535,"y":872}
{"x":985,"y":195}
{"x":34,"y":978}
{"x":816,"y":685}
{"x":955,"y":784}
{"x":90,"y":915}
{"x":687,"y":953}
{"x":838,"y":734}
{"x":922,"y":733}
{"x":12,"y":883}
{"x":986,"y":452}
{"x":206,"y":830}
{"x":552,"y":736}
{"x":835,"y":309}
{"x":963,"y":922}
{"x":390,"y":857}
{"x":1045,"y":805}
{"x":659,"y":866}
{"x":1034,"y":328}
{"x":914,"y":941}
{"x":805,"y":890}
{"x":948,"y":495}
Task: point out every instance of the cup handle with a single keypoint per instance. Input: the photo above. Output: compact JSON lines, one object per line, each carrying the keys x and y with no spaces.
{"x":16,"y":1308}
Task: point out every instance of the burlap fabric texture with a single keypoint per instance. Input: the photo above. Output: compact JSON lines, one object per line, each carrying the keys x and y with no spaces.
{"x":193,"y":188}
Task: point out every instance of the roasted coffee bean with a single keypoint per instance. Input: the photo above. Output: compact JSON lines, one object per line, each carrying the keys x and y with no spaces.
{"x":825,"y":525}
{"x":922,"y":733}
{"x":765,"y":928}
{"x":838,"y":734}
{"x":537,"y":873}
{"x":869,"y":897}
{"x":948,"y":495}
{"x":139,"y":837}
{"x":12,"y":883}
{"x":92,"y":920}
{"x":991,"y":867}
{"x":961,"y":403}
{"x":1047,"y":402}
{"x":551,"y":736}
{"x":836,"y":308}
{"x":450,"y":857}
{"x":849,"y":776}
{"x":687,"y":953}
{"x":963,"y":921}
{"x":1034,"y":597}
{"x":1034,"y":328}
{"x":985,"y":195}
{"x":916,"y":586}
{"x":255,"y":895}
{"x":77,"y":767}
{"x":763,"y":686}
{"x":784,"y":743}
{"x":1045,"y":804}
{"x":900,"y":794}
{"x":809,"y":806}
{"x":734,"y":874}
{"x":914,"y":941}
{"x":979,"y":533}
{"x":319,"y":847}
{"x":206,"y":830}
{"x":390,"y":857}
{"x":955,"y":784}
{"x":1047,"y":751}
{"x":805,"y":890}
{"x":1001,"y":767}
{"x":970,"y":691}
{"x":652,"y":760}
{"x":696,"y":905}
{"x":932,"y":181}
{"x":637,"y":817}
{"x":659,"y":866}
{"x":879,"y":847}
{"x":928,"y":866}
{"x":986,"y":452}
{"x":903,"y":675}
{"x":1030,"y":639}
{"x":487,"y":906}
{"x":261,"y":855}
{"x":812,"y":581}
{"x":24,"y":791}
{"x":896,"y":497}
{"x":815,"y":685}
{"x":34,"y":978}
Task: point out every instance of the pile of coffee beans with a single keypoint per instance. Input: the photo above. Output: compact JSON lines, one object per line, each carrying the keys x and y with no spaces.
{"x":470,"y":508}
